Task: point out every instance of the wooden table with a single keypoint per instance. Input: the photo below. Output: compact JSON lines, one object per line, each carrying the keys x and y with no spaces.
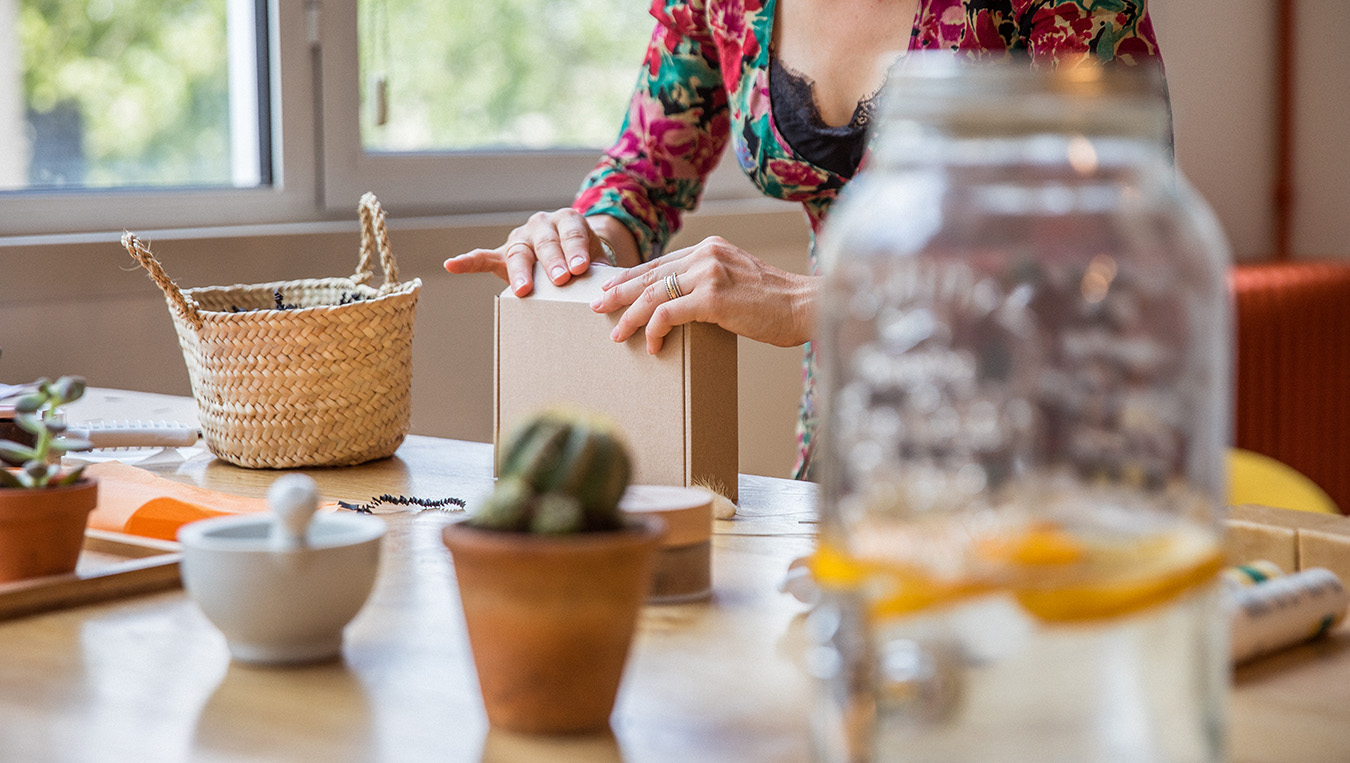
{"x":149,"y":678}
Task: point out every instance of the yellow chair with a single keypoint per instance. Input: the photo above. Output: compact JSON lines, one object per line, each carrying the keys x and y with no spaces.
{"x":1254,"y":478}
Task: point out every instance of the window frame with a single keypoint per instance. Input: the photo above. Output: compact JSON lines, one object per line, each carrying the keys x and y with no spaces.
{"x":290,"y":196}
{"x":446,"y":182}
{"x":319,"y":167}
{"x":425,"y":182}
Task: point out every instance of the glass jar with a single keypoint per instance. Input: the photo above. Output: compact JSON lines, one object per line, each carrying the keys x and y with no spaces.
{"x":1024,"y":372}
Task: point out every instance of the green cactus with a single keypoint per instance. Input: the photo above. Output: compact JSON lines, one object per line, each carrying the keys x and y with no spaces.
{"x":534,"y":448}
{"x":508,"y":508}
{"x":557,"y":514}
{"x":559,"y":473}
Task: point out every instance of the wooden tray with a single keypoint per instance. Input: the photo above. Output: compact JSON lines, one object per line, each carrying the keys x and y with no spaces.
{"x":112,"y":566}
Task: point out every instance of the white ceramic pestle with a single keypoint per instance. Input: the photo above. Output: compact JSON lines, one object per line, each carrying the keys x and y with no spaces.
{"x":293,"y":499}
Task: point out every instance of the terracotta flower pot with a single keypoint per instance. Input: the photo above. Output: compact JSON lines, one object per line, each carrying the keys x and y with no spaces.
{"x":550,"y":620}
{"x":42,"y":529}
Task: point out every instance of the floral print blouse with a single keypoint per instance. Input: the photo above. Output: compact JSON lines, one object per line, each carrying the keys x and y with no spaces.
{"x":705,"y":81}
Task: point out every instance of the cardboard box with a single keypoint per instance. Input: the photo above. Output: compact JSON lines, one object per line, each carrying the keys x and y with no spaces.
{"x":1293,"y":540}
{"x":676,"y":409}
{"x":1247,"y":542}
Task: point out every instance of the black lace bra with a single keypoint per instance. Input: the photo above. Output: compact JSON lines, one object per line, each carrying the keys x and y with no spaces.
{"x":837,"y":149}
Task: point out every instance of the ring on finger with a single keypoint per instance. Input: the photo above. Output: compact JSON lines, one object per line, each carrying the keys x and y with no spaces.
{"x":673,"y":286}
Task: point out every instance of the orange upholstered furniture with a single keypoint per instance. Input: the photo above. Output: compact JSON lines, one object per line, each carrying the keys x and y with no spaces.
{"x":1293,"y":368}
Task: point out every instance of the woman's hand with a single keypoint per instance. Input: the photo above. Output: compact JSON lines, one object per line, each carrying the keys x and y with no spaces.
{"x":714,"y":282}
{"x":563,"y":242}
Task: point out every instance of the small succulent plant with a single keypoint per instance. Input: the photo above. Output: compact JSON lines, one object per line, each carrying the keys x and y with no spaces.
{"x":559,"y":473}
{"x":35,"y":413}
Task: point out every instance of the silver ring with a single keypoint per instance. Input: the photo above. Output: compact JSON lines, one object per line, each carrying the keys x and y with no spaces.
{"x":673,"y":287}
{"x":608,"y":249}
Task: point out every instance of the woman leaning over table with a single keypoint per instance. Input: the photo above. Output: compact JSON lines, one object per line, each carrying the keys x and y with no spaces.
{"x":791,"y":84}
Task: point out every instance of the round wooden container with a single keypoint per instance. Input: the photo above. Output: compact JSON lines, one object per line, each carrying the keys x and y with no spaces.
{"x":683,"y":569}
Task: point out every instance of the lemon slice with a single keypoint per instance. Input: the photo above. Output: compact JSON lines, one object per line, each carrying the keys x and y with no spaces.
{"x":1056,"y":576}
{"x":1111,"y":586}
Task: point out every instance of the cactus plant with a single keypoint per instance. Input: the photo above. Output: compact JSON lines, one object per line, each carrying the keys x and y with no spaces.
{"x":559,"y":473}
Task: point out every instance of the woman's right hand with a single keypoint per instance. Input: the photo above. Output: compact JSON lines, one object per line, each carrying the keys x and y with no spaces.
{"x":561,"y":241}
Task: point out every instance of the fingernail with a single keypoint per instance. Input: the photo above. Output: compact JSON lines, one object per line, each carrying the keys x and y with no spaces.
{"x":607,"y":284}
{"x":558,"y":272}
{"x":518,"y":285}
{"x":596,"y":304}
{"x":614,"y":335}
{"x":578,"y":261}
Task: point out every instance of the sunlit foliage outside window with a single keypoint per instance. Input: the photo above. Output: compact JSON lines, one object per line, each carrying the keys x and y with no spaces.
{"x":136,"y":93}
{"x":502,"y":74}
{"x":123,"y":93}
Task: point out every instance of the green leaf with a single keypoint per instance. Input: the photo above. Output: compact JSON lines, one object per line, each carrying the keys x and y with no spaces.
{"x":50,"y":473}
{"x":68,"y":388}
{"x":13,"y":451}
{"x":33,"y":474}
{"x":71,"y":477}
{"x":67,"y":444}
{"x":30,"y":403}
{"x":37,"y":473}
{"x":30,"y":423}
{"x":10,"y":479}
{"x":77,"y":388}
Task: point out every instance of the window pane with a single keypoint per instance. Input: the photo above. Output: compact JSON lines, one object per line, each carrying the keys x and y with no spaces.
{"x":446,"y":76}
{"x":115,"y":93}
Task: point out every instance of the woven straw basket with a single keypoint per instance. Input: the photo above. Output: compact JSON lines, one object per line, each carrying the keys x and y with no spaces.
{"x":325,"y":382}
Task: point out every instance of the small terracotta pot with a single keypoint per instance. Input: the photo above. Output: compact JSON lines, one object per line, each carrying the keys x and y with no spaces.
{"x":550,"y":620}
{"x":42,"y":529}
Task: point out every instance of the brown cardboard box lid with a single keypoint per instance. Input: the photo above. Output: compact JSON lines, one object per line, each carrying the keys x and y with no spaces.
{"x":582,"y":288}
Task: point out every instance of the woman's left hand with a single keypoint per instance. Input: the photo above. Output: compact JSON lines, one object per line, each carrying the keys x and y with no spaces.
{"x":713,"y":282}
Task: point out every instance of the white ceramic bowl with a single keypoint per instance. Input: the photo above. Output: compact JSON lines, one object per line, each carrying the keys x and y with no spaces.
{"x":281,"y":606}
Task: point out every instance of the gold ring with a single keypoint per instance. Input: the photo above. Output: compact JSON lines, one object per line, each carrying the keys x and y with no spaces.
{"x":673,"y":287}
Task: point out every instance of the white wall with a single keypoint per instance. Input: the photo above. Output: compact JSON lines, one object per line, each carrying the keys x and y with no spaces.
{"x":1223,"y":94}
{"x":1322,"y":128}
{"x":1220,"y":57}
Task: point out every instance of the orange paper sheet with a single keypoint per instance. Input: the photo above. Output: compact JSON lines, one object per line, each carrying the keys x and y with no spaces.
{"x":135,"y":501}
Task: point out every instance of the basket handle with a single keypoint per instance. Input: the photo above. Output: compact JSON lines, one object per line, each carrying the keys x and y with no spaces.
{"x":187,"y":310}
{"x":374,"y":235}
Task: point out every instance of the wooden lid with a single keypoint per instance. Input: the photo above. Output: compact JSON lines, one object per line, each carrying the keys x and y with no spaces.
{"x":687,"y":511}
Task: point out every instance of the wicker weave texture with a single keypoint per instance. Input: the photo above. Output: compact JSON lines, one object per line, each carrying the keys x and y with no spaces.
{"x":325,"y":382}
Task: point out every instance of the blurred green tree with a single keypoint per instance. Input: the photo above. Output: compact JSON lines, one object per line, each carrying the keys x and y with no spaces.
{"x":143,"y":84}
{"x":501,"y":74}
{"x":136,"y":92}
